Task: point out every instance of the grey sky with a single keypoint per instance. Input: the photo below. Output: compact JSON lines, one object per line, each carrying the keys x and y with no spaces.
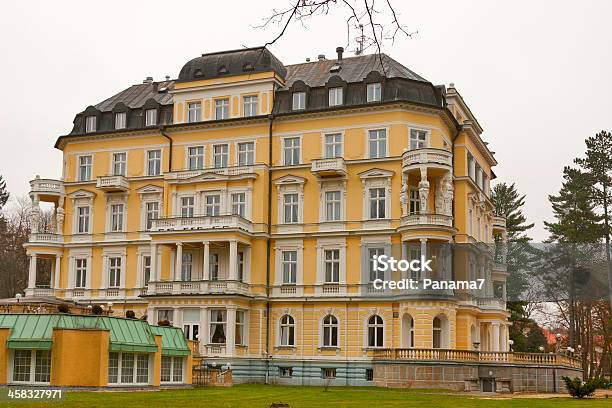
{"x":537,"y":74}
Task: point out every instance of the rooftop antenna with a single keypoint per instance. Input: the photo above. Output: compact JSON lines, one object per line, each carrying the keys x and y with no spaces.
{"x":360,"y":40}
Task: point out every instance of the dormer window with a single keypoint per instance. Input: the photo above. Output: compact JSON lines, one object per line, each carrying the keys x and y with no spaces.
{"x":90,"y":124}
{"x":335,"y":96}
{"x":222,"y":70}
{"x":373,"y":92}
{"x":120,"y":120}
{"x":150,"y":117}
{"x":248,"y":67}
{"x":299,"y":100}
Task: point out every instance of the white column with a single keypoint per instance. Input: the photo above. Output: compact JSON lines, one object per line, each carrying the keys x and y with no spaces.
{"x":179,"y":261}
{"x":204,"y":334}
{"x":230,"y":340}
{"x":495,"y":329}
{"x":153,"y":277}
{"x":206,"y":261}
{"x":424,"y":254}
{"x":32,"y":272}
{"x":55,"y":283}
{"x":233,"y":260}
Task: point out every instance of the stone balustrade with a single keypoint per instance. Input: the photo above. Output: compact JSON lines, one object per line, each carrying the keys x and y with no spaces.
{"x":197,"y":287}
{"x":427,"y":156}
{"x":201,"y":222}
{"x":329,"y":167}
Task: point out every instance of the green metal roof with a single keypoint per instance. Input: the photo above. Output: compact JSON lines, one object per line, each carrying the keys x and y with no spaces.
{"x":35,"y":331}
{"x":173,"y":340}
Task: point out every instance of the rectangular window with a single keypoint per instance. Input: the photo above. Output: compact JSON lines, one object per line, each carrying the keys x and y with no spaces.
{"x":114,"y":272}
{"x":335,"y":96}
{"x":120,"y":120}
{"x":333,"y":145}
{"x":142,"y":368}
{"x":195,"y":157}
{"x":127,"y":368}
{"x":373,"y":92}
{"x":165,"y":315}
{"x":153,"y":162}
{"x":246,"y":154}
{"x":239,"y":327}
{"x":291,"y":147}
{"x":285,"y":372}
{"x":290,"y":208}
{"x":186,"y":267}
{"x":177,"y":369}
{"x":119,"y":164}
{"x":85,"y":163}
{"x":289,"y":262}
{"x":187,"y":206}
{"x":83,"y":220}
{"x":375,"y":274}
{"x":220,"y":153}
{"x":415,"y":202}
{"x":90,"y":124}
{"x":418,"y":139}
{"x":217,"y":326}
{"x":150,"y":117}
{"x":213,"y":205}
{"x":80,"y":272}
{"x":113,"y":368}
{"x":213,"y":267}
{"x":332,"y":265}
{"x":166,"y":369}
{"x":152,"y":213}
{"x":249,"y":105}
{"x":299,"y":100}
{"x":222,"y":108}
{"x":194,"y":112}
{"x":22,"y":362}
{"x":377,"y":203}
{"x":369,"y":374}
{"x":116,"y":221}
{"x":332,"y":206}
{"x":241,"y":266}
{"x":238,"y":204}
{"x":377,"y":140}
{"x":328,"y":373}
{"x":146,"y":266}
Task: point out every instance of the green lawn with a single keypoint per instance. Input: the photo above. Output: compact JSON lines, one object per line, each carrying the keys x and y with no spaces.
{"x":247,"y":396}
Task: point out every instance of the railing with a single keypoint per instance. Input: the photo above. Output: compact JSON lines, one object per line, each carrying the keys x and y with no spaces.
{"x":225,"y":171}
{"x":197,"y":287}
{"x":427,"y":219}
{"x":45,"y":237}
{"x":499,"y":222}
{"x":112,"y":183}
{"x":201,"y":222}
{"x":47,"y":186}
{"x":491,"y":303}
{"x":331,"y":288}
{"x":333,"y":166}
{"x":474,"y":355}
{"x":42,"y":292}
{"x":427,"y":156}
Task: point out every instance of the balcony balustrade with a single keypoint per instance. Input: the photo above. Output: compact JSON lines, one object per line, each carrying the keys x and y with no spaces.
{"x":333,"y":167}
{"x":415,"y":220}
{"x":197,"y":287}
{"x":412,"y":159}
{"x":47,"y":189}
{"x":43,"y":237}
{"x":201,"y":222}
{"x":113,"y":183}
{"x":224,"y":171}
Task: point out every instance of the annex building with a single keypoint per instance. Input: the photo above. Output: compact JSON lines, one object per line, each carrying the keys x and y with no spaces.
{"x":244,"y":200}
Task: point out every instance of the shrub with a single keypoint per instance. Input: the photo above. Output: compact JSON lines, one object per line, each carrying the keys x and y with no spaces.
{"x":163,"y":323}
{"x":130,"y":314}
{"x":63,"y":309}
{"x":97,"y":310}
{"x":580,"y":389}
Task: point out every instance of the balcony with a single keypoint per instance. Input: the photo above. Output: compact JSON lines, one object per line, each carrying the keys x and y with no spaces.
{"x":45,"y":238}
{"x":186,"y":175}
{"x":202,"y":222}
{"x":499,"y":224}
{"x":209,"y":287}
{"x":418,"y":220}
{"x":48,"y":190}
{"x":335,"y":167}
{"x":113,"y":183}
{"x":413,"y":159}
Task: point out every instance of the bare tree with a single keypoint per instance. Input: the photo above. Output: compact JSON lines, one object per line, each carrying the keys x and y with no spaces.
{"x":371,"y":23}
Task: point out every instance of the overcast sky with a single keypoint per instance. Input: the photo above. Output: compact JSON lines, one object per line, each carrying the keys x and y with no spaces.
{"x":537,"y":74}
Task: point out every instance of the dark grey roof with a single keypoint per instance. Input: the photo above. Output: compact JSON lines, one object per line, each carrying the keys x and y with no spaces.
{"x":235,"y":62}
{"x":353,"y":69}
{"x":136,"y":95}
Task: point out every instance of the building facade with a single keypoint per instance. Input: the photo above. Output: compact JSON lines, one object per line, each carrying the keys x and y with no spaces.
{"x":244,"y":201}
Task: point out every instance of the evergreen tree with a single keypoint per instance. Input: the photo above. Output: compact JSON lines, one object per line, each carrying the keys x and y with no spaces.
{"x":598,"y":163}
{"x":4,"y":194}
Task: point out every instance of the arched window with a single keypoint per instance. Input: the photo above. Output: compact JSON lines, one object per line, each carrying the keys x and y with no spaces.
{"x":437,"y":333}
{"x":407,"y":339}
{"x":375,"y":331}
{"x":287,"y":331}
{"x":330,"y":331}
{"x":411,"y":325}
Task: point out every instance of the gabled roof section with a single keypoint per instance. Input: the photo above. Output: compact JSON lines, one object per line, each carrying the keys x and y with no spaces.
{"x":352,"y":69}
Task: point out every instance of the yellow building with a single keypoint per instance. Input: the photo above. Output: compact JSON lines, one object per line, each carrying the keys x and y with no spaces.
{"x":244,"y":201}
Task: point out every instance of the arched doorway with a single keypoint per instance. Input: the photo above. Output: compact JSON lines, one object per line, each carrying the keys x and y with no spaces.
{"x":407,"y":331}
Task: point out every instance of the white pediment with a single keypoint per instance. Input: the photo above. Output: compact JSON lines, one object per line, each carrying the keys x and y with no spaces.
{"x":289,"y":179}
{"x":376,"y":173}
{"x":82,"y":194}
{"x":150,"y":189}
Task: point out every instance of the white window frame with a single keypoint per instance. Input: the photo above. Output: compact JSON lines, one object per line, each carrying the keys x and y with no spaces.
{"x":414,"y":201}
{"x":336,"y":205}
{"x":323,"y":245}
{"x":245,"y":153}
{"x":336,"y":97}
{"x":298,"y":100}
{"x":241,"y":327}
{"x":86,"y":217}
{"x":374,"y":327}
{"x":80,"y":272}
{"x":331,"y":261}
{"x":220,"y":154}
{"x":116,"y":218}
{"x":289,"y":266}
{"x":150,"y":212}
{"x":239,"y":206}
{"x":117,"y":269}
{"x":372,"y":199}
{"x":91,"y":124}
{"x":173,"y":369}
{"x":289,"y":206}
{"x":286,"y":324}
{"x":120,"y":367}
{"x":250,"y":105}
{"x":197,"y":154}
{"x":88,"y":167}
{"x":155,"y":162}
{"x":194,"y":111}
{"x":333,"y":145}
{"x":221,"y":108}
{"x":187,"y":206}
{"x":378,"y":140}
{"x":374,"y":92}
{"x":119,"y":163}
{"x":151,"y":117}
{"x":32,"y":372}
{"x":120,"y":120}
{"x":296,"y":245}
{"x":212,"y":208}
{"x":296,"y":142}
{"x":332,"y":325}
{"x":217,"y":323}
{"x":418,"y":138}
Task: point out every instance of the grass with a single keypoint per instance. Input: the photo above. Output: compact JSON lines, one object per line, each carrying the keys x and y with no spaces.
{"x":247,"y":396}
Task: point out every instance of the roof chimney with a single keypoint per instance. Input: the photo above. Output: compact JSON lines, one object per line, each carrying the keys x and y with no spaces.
{"x":148,"y":80}
{"x":321,"y":57}
{"x":167,"y":77}
{"x":339,"y":50}
{"x":307,"y":59}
